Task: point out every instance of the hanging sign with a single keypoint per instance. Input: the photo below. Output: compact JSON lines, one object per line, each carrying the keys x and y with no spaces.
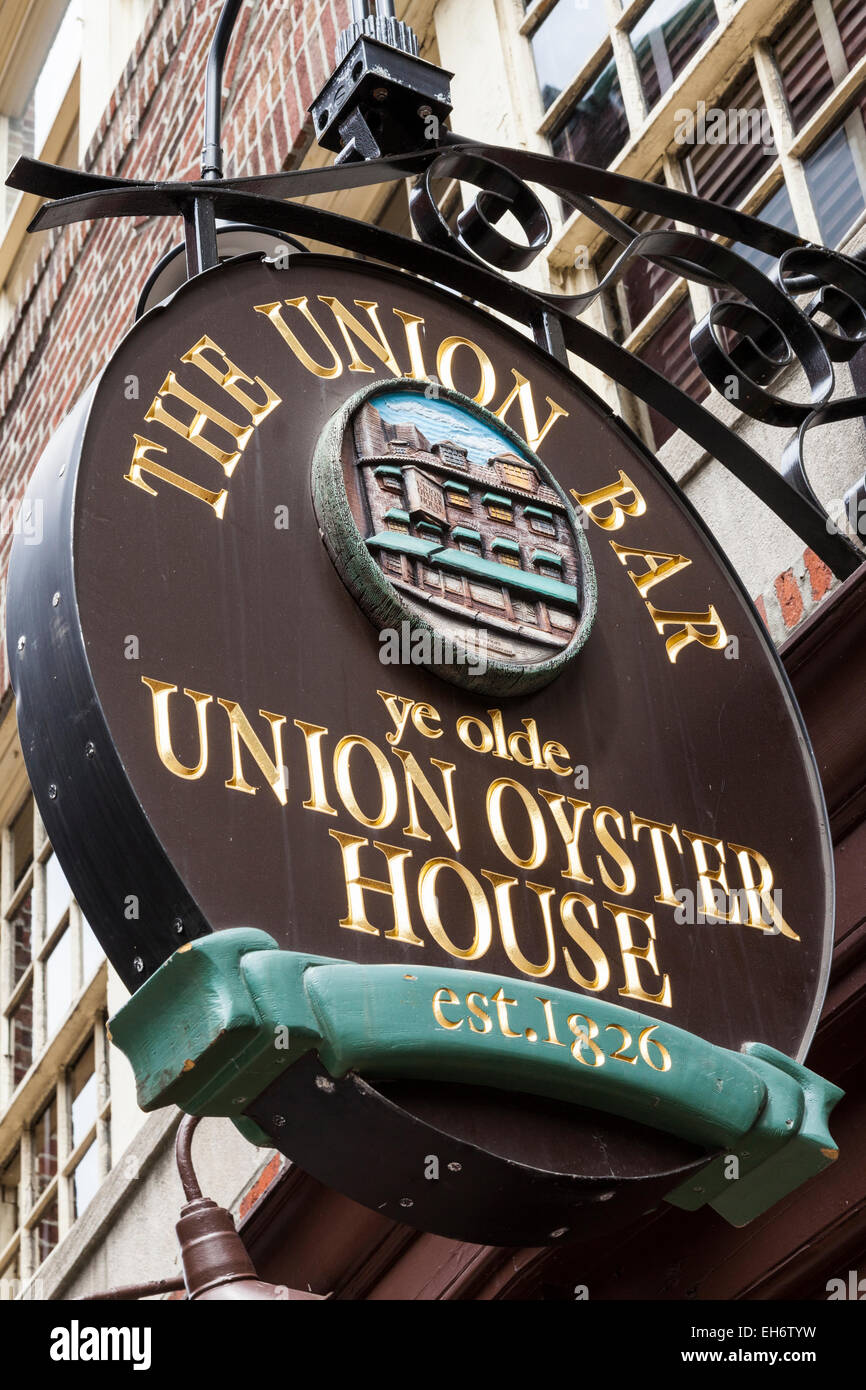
{"x":422,"y":766}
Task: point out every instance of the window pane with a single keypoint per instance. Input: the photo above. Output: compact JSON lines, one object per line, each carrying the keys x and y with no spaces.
{"x":85,"y":1180}
{"x":45,"y":1148}
{"x":596,"y":129}
{"x":9,"y":1180}
{"x":91,"y":951}
{"x":21,"y":1021}
{"x":851,"y":19}
{"x":734,"y":150}
{"x":666,"y":38}
{"x":804,"y":66}
{"x":57,"y":72}
{"x":47,"y":1232}
{"x":779,"y":212}
{"x":58,"y":894}
{"x":22,"y":841}
{"x":20,"y":924}
{"x":835,"y":187}
{"x":59,"y":983}
{"x":669,"y":351}
{"x":84,"y":1103}
{"x":564,"y":42}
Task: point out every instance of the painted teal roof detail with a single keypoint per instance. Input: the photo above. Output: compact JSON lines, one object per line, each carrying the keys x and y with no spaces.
{"x":536,"y":511}
{"x":545,"y":558}
{"x":388,"y":471}
{"x":403,"y":545}
{"x":396,"y":514}
{"x":511,"y":546}
{"x":497,"y":499}
{"x":464,"y":533}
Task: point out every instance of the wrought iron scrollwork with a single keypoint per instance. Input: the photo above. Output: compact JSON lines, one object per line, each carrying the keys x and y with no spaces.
{"x":772,"y":331}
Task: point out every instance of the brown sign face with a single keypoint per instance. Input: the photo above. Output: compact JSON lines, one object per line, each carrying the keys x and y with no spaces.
{"x":647,"y":828}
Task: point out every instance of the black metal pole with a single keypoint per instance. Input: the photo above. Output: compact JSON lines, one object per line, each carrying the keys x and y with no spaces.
{"x":212,"y":154}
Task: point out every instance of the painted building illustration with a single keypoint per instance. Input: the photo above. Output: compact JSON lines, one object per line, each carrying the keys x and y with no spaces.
{"x":468,"y":532}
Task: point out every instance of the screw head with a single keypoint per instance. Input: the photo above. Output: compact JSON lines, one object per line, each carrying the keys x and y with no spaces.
{"x":381,"y":94}
{"x":55,"y":602}
{"x":455,"y":1167}
{"x":425,"y":111}
{"x":278,"y":1121}
{"x":559,"y":1233}
{"x":52,"y":791}
{"x":178,"y":925}
{"x":138,"y":965}
{"x":406,"y":1202}
{"x":22,"y":643}
{"x":89,"y":750}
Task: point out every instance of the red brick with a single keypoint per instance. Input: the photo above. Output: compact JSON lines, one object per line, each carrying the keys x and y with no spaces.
{"x":269,"y":1176}
{"x":762,"y":609}
{"x":790,"y":598}
{"x":820,"y":577}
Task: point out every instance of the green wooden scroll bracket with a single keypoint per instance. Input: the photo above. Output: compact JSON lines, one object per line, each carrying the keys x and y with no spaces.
{"x":224,"y":1016}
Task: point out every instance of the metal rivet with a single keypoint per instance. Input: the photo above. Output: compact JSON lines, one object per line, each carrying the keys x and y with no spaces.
{"x":55,"y":602}
{"x":278,"y":1121}
{"x":138,"y":965}
{"x":557,"y":1235}
{"x":62,"y":470}
{"x":89,"y":750}
{"x":605,"y":1197}
{"x":381,"y":94}
{"x":455,"y":1167}
{"x":406,"y":1202}
{"x":178,"y":925}
{"x":425,"y":111}
{"x":324,"y":1083}
{"x":52,"y":791}
{"x":22,"y":643}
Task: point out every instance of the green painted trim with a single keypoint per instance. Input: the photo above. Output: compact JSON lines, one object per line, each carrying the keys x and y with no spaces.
{"x":541,"y":512}
{"x":397,"y":514}
{"x":511,"y":547}
{"x":383,"y":602}
{"x":465,"y":533}
{"x":388,"y":471}
{"x":476,"y":566}
{"x":495,"y":499}
{"x":462,"y":488}
{"x":432,"y":527}
{"x":215,"y":1025}
{"x":404,"y":545}
{"x":544,"y":557}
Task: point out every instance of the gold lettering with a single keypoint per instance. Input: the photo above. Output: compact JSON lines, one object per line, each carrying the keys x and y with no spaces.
{"x":440,"y":998}
{"x":536,"y":822}
{"x":760,"y":897}
{"x":615,"y":850}
{"x":502,"y":1007}
{"x":413,"y":325}
{"x":655,"y":572}
{"x":502,"y":887}
{"x":522,"y":392}
{"x":387,"y":785}
{"x":570,"y":833}
{"x":631,"y":954}
{"x":243,"y":731}
{"x":229,"y":379}
{"x":416,"y":779}
{"x":657,"y":830}
{"x":357,"y":885}
{"x":349,"y":325}
{"x":581,"y":937}
{"x":203,"y":414}
{"x":477,"y":1012}
{"x":161,"y":693}
{"x":429,"y":900}
{"x":445,"y":367}
{"x":464,"y":730}
{"x":689,"y":623}
{"x":274,"y":312}
{"x":614,"y":495}
{"x":142,"y":464}
{"x":710,"y":906}
{"x":313,"y":736}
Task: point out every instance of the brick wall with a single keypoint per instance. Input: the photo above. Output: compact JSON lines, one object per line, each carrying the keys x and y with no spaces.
{"x":81,"y":296}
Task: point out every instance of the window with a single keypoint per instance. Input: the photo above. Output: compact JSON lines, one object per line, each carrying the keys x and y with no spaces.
{"x":564,"y":42}
{"x":397,"y":520}
{"x":467,"y":540}
{"x":56,"y":1165}
{"x":666,"y":38}
{"x":640,"y":285}
{"x":803,"y":64}
{"x":548,"y":564}
{"x":506,"y":552}
{"x":499,"y":507}
{"x":779,"y":211}
{"x":851,"y":19}
{"x":390,"y":479}
{"x":596,"y":128}
{"x":837,"y":182}
{"x":669,"y":351}
{"x":736,"y":153}
{"x":541,"y":521}
{"x":30,"y":111}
